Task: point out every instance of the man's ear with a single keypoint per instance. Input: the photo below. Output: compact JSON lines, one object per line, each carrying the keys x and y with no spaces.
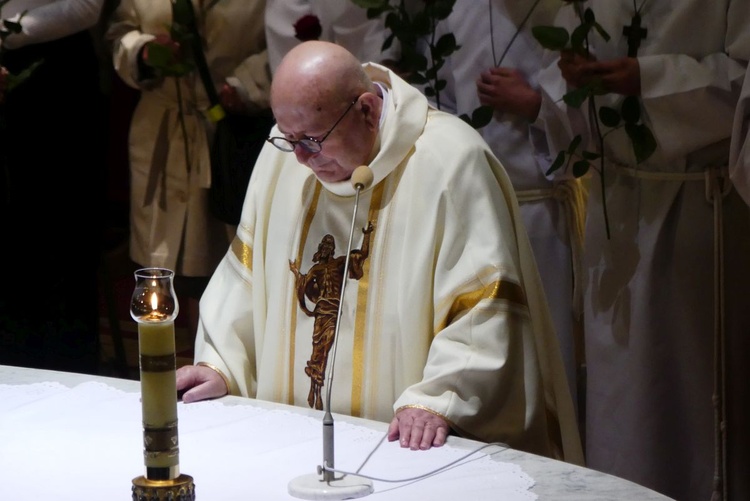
{"x":371,"y":106}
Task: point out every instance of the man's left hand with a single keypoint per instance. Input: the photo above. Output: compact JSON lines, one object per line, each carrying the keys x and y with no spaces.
{"x":418,"y":429}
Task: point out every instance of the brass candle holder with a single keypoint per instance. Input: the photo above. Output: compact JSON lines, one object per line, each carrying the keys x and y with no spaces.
{"x":154,"y":306}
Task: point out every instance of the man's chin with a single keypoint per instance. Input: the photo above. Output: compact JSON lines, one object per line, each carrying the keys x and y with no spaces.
{"x":329,"y":177}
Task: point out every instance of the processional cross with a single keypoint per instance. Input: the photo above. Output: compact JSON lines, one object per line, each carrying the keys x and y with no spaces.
{"x":635,"y":34}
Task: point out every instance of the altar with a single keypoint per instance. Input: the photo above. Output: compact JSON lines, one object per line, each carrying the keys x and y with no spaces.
{"x":66,"y":436}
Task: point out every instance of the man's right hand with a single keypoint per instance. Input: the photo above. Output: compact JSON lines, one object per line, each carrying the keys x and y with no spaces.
{"x":418,"y":429}
{"x":199,"y":383}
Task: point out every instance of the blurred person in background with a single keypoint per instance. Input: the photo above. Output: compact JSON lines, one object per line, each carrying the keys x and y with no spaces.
{"x":291,"y":22}
{"x":52,"y":140}
{"x":171,"y":224}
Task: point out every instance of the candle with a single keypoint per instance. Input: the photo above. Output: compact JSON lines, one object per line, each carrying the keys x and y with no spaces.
{"x":159,"y":397}
{"x":154,"y":307}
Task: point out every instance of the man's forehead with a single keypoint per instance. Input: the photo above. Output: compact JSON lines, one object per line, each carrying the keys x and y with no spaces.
{"x":299,"y":117}
{"x":297,"y":100}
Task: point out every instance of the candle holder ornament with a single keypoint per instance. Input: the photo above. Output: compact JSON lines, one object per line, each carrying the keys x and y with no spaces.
{"x":154,"y":307}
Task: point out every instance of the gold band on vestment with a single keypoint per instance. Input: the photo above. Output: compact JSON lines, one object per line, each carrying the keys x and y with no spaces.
{"x":219,"y":372}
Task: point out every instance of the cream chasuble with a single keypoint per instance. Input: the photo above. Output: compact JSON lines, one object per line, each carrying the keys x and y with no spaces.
{"x":443,"y":308}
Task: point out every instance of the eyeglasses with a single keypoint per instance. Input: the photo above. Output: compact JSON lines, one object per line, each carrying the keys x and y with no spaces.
{"x":309,"y":144}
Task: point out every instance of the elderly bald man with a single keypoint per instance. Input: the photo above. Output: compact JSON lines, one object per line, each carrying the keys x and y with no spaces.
{"x":443,"y":328}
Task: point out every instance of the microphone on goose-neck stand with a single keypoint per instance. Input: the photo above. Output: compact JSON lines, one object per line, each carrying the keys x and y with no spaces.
{"x":324,"y":485}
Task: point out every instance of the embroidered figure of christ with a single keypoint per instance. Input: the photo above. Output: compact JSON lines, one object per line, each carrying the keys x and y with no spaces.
{"x":321,"y":285}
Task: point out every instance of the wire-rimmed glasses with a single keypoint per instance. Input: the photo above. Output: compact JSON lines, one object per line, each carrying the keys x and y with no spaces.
{"x":309,"y":144}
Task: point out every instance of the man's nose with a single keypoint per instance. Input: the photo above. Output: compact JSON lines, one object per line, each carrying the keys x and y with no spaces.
{"x":302,"y":153}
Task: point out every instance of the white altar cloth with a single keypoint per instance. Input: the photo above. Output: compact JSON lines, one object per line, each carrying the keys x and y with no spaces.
{"x":85,"y":443}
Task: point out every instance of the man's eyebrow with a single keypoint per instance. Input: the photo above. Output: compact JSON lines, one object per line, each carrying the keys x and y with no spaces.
{"x":301,"y":136}
{"x":291,"y":134}
{"x":280,"y":129}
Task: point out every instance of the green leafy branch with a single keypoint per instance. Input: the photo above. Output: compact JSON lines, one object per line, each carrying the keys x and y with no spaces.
{"x":628,"y":116}
{"x":163,"y":58}
{"x":482,"y":115}
{"x":410,"y":27}
{"x":176,"y":60}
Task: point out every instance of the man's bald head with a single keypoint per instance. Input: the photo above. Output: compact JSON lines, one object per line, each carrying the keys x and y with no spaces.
{"x":316,"y":74}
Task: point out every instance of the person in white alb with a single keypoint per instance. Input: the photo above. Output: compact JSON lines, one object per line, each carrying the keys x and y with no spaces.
{"x":171,"y":223}
{"x":666,"y":323}
{"x":52,"y":162}
{"x":290,"y":22}
{"x":444,"y":326}
{"x":496,"y":65}
{"x":739,"y":154}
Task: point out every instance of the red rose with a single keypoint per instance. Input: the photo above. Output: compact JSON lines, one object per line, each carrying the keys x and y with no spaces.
{"x":308,"y":28}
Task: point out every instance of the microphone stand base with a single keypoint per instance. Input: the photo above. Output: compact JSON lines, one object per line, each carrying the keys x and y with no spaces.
{"x":313,"y":487}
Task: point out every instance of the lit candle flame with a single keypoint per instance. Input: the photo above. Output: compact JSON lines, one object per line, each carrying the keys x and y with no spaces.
{"x":154,"y":302}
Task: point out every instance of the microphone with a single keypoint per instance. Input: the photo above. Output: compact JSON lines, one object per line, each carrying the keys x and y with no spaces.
{"x":324,"y":485}
{"x":361,"y":180}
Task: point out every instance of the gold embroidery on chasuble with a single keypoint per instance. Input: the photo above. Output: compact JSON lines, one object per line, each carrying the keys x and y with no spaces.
{"x":321,"y":286}
{"x":360,"y":322}
{"x":243,"y":253}
{"x":502,"y":290}
{"x":306,"y":224}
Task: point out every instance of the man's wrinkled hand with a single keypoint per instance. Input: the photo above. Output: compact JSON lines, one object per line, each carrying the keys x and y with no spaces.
{"x":418,"y":429}
{"x":199,"y":383}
